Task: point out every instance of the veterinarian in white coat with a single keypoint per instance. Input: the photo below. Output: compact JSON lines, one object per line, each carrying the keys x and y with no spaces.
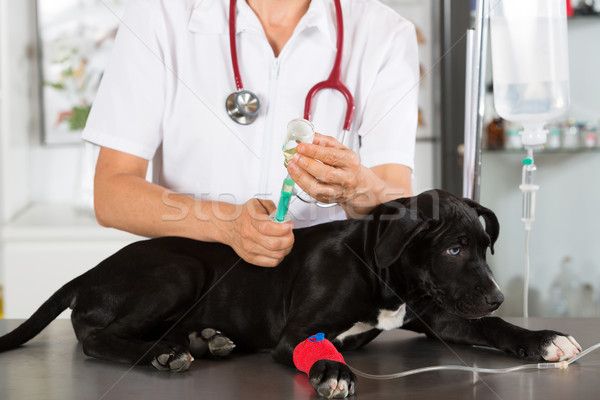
{"x":162,"y":98}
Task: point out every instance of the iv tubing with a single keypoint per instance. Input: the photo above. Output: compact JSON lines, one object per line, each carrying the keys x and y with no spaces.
{"x":527,"y":257}
{"x":526,"y":279}
{"x":551,"y":365}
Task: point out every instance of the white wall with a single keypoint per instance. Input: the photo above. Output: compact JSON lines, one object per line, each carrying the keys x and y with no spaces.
{"x":18,"y":105}
{"x":31,"y":172}
{"x":420,"y":12}
{"x":584,"y":64}
{"x":425,"y":175}
{"x":16,"y":109}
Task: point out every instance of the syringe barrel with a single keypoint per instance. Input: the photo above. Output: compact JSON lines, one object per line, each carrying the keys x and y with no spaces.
{"x":284,"y":200}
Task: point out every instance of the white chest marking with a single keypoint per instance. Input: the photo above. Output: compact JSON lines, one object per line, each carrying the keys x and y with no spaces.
{"x":387,"y":320}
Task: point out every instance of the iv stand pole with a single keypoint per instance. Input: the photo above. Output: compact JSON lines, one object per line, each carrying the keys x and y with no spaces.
{"x":477,"y":39}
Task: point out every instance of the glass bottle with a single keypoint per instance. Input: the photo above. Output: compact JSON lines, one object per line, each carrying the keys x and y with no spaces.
{"x":495,"y":134}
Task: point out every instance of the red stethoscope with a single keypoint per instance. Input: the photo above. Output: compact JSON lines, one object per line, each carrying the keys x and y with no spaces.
{"x":243,"y":105}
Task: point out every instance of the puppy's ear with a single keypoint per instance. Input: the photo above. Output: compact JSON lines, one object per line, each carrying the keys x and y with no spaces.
{"x":402,"y":227}
{"x":492,"y":227}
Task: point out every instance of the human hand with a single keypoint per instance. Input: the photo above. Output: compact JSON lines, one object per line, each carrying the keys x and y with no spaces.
{"x":257,"y":239}
{"x":330,"y":172}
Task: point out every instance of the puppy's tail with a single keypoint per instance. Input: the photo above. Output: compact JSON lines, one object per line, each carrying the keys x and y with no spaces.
{"x":56,"y":304}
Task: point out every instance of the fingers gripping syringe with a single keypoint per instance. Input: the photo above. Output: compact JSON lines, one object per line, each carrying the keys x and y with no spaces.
{"x":298,"y":131}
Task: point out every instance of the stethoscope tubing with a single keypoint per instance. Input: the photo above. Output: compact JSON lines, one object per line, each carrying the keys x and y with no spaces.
{"x":233,"y":47}
{"x":334,"y":81}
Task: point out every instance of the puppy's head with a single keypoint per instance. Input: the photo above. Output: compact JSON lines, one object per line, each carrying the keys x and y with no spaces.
{"x":437,"y":240}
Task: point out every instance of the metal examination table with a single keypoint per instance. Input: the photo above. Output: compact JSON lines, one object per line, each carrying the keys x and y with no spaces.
{"x":52,"y":366}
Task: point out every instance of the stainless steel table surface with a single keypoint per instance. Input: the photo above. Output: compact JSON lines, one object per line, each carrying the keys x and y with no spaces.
{"x":53,"y":366}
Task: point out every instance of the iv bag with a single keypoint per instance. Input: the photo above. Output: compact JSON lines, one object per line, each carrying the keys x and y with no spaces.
{"x":530,"y":63}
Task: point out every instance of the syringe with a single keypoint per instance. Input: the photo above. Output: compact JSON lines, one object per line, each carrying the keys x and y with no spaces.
{"x":298,"y":131}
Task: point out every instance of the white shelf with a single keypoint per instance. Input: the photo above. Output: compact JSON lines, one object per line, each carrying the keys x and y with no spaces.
{"x":43,"y":222}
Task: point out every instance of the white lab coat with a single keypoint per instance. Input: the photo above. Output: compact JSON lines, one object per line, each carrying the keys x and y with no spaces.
{"x":163,"y":94}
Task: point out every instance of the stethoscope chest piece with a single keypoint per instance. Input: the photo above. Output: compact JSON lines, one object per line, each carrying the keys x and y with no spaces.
{"x":242,"y":106}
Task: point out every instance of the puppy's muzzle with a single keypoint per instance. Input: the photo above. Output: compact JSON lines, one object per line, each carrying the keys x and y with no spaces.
{"x":479,"y":302}
{"x":494,"y":299}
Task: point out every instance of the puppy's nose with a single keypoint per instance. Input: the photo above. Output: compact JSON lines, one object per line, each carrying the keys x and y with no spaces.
{"x":494,"y":298}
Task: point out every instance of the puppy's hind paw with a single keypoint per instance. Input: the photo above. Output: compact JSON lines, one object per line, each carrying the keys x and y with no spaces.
{"x":219,"y":345}
{"x":173,"y":361}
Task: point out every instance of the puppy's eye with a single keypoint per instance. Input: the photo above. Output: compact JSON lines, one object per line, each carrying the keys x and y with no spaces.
{"x":453,"y":251}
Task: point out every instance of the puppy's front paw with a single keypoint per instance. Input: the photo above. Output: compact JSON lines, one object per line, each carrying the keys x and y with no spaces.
{"x":560,"y":347}
{"x":549,"y":346}
{"x":332,"y":379}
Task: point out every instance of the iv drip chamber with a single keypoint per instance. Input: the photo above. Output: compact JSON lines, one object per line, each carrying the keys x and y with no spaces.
{"x":529,"y":188}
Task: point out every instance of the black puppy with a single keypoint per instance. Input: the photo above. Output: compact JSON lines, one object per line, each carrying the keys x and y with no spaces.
{"x":416,"y":263}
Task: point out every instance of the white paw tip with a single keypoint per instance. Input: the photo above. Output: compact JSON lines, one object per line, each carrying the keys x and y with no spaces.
{"x":561,"y":348}
{"x":572,"y":340}
{"x":551,"y":353}
{"x":332,"y":383}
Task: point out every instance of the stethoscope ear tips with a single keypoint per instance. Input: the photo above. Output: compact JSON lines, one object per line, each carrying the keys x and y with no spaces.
{"x":242,"y":106}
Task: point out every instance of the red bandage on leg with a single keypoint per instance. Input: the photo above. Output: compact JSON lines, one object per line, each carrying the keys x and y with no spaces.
{"x":313,"y":349}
